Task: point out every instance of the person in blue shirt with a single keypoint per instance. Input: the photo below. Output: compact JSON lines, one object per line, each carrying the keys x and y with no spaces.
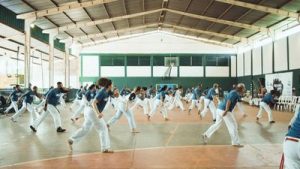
{"x":40,"y":106}
{"x":159,"y":98}
{"x":264,"y":105}
{"x":224,"y":112}
{"x":78,"y":97}
{"x":14,"y":98}
{"x":291,"y":144}
{"x":196,"y":93}
{"x":209,"y":102}
{"x":27,"y":104}
{"x":52,"y":100}
{"x":93,"y":116}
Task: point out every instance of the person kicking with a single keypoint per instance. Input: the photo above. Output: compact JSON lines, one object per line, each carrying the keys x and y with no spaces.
{"x":264,"y":105}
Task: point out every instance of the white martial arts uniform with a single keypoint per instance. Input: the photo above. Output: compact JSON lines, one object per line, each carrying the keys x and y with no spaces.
{"x":209,"y":104}
{"x":91,"y":119}
{"x":177,"y":100}
{"x":122,"y":105}
{"x":266,"y":107}
{"x":291,"y":144}
{"x":157,"y":103}
{"x":14,"y":98}
{"x":80,"y":109}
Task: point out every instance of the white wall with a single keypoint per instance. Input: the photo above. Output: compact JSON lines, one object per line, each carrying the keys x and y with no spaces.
{"x":280,"y":55}
{"x":157,"y":42}
{"x":233,"y":66}
{"x":138,"y":71}
{"x":159,"y":71}
{"x":194,"y":71}
{"x":112,"y":71}
{"x":247,"y":63}
{"x":256,"y":61}
{"x":217,"y":71}
{"x":90,"y":66}
{"x":267,"y":58}
{"x":240,"y":64}
{"x":294,"y":50}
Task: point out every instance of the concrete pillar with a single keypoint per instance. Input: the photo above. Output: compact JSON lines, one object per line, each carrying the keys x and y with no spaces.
{"x":27,"y":52}
{"x":51,"y":58}
{"x":67,"y":64}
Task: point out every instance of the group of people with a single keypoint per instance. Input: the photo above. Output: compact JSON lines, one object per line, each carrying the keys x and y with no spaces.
{"x":93,"y":101}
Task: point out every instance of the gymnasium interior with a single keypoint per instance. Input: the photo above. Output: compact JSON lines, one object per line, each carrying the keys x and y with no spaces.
{"x":185,"y":45}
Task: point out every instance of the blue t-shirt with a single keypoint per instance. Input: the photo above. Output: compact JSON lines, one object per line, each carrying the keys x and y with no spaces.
{"x":15,"y":94}
{"x":54,"y":96}
{"x":28,"y":97}
{"x":90,"y":95}
{"x":161,"y":94}
{"x":102,"y":97}
{"x":80,"y":93}
{"x":233,"y":97}
{"x":196,"y":94}
{"x":295,"y":128}
{"x":48,"y":92}
{"x":210,"y":94}
{"x":268,"y":98}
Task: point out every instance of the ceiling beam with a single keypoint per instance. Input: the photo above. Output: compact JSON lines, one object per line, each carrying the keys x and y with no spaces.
{"x":62,"y":8}
{"x":78,"y":38}
{"x":100,"y":21}
{"x":221,"y":21}
{"x":262,"y":8}
{"x":207,"y":32}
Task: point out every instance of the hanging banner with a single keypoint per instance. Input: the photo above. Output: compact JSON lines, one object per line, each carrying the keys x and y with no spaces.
{"x":280,"y":82}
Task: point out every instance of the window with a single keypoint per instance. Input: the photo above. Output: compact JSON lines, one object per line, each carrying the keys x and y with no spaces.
{"x":196,"y":60}
{"x":118,"y":61}
{"x":223,"y":61}
{"x":158,"y":61}
{"x":211,"y":61}
{"x":185,"y":61}
{"x":106,"y":61}
{"x":112,"y":60}
{"x":138,"y":60}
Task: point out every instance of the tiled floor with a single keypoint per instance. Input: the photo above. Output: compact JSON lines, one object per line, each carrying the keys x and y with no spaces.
{"x":173,"y":144}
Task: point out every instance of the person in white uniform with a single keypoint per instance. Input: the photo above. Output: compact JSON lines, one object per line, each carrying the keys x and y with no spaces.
{"x":195,"y":96}
{"x":14,"y":99}
{"x":122,"y":103}
{"x":209,"y":102}
{"x":78,"y":98}
{"x":291,"y":144}
{"x":27,"y":105}
{"x":142,"y":101}
{"x":93,"y":116}
{"x":264,"y":105}
{"x":224,"y":112}
{"x":178,"y":97}
{"x":158,"y":100}
{"x":52,"y":101}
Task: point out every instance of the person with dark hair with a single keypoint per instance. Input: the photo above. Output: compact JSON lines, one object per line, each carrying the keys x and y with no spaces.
{"x":209,"y":102}
{"x":87,"y":98}
{"x":178,"y":97}
{"x":43,"y":101}
{"x":122,"y":104}
{"x":27,"y":105}
{"x":93,"y":115}
{"x":159,"y":99}
{"x":52,"y":101}
{"x":14,"y":98}
{"x":224,"y":112}
{"x":195,"y":96}
{"x":264,"y":105}
{"x":142,"y":101}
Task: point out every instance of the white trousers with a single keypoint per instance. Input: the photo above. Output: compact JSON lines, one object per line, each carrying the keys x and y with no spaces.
{"x":90,"y":120}
{"x":178,"y":103}
{"x":128,"y":114}
{"x":54,"y":113}
{"x":14,"y":105}
{"x":266,"y":107}
{"x":209,"y":104}
{"x":231,"y":124}
{"x":200,"y":105}
{"x":193,"y":104}
{"x":76,"y":102}
{"x":291,"y":152}
{"x":144,"y":104}
{"x":29,"y":107}
{"x":79,"y":110}
{"x":156,"y":104}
